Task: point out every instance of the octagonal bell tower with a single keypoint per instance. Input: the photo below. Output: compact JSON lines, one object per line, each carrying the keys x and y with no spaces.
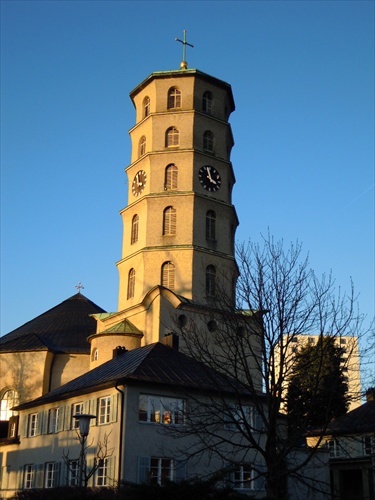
{"x":179,"y":225}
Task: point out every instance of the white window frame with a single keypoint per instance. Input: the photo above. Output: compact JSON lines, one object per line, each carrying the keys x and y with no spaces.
{"x":104,"y":407}
{"x":8,"y":400}
{"x":101,"y":477}
{"x":73,"y":473}
{"x":50,"y":475}
{"x":161,"y":410}
{"x":368,"y":443}
{"x":243,"y":477}
{"x":33,"y":425}
{"x":334,"y":448}
{"x":29,"y":475}
{"x":77,"y":409}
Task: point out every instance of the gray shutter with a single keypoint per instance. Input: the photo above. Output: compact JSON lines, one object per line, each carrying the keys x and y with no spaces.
{"x":38,"y":476}
{"x":111,"y":465}
{"x":44,"y":421}
{"x":90,"y":465}
{"x":179,"y":470}
{"x":57,"y":474}
{"x":93,"y":411}
{"x":20,"y":477}
{"x":61,"y":418}
{"x":68,"y":417}
{"x":64,"y":474}
{"x":143,"y":475}
{"x":40,"y":426}
{"x":113,"y":410}
{"x":25,"y":424}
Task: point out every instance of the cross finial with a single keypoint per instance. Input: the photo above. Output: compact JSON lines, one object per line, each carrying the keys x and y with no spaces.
{"x":79,"y":286}
{"x":184,"y":64}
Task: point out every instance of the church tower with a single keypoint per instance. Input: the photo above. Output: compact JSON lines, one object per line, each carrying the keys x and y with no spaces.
{"x":179,"y":224}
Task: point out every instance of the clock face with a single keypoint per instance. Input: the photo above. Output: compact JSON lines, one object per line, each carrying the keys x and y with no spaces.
{"x":139,"y":182}
{"x":210,"y":178}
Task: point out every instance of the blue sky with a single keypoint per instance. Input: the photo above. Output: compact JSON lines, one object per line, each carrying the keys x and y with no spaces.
{"x":302,"y":75}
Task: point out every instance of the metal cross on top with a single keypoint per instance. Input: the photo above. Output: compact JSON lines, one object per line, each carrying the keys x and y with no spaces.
{"x":184,"y":64}
{"x":79,"y":286}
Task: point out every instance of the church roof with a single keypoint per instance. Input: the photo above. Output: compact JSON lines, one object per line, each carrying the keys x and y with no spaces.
{"x":153,"y":364}
{"x":63,"y":329}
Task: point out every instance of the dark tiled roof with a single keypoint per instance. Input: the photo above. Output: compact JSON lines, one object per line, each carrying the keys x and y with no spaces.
{"x":357,"y":421}
{"x":64,"y":328}
{"x":154,"y":363}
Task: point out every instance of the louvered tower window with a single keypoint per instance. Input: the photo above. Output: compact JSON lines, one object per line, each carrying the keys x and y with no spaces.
{"x":171,"y":173}
{"x":211,"y":225}
{"x":208,"y":141}
{"x":207,"y":102}
{"x":169,"y":221}
{"x":142,"y":146}
{"x":134,"y":234}
{"x":146,"y":106}
{"x":168,"y":275}
{"x":131,"y":283}
{"x":210,"y":281}
{"x":172,"y":137}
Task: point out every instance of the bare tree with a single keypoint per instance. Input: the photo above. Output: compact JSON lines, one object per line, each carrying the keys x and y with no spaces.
{"x":79,"y":465}
{"x":279,"y":298}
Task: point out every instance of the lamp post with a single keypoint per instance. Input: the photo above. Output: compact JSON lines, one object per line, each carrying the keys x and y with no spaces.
{"x":84,"y":427}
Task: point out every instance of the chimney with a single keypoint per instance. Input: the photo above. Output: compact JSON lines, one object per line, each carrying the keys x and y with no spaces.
{"x":120,"y":349}
{"x":171,"y":340}
{"x":370,"y":394}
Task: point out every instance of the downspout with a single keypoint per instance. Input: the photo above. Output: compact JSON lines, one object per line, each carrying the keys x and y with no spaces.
{"x":121,"y":433}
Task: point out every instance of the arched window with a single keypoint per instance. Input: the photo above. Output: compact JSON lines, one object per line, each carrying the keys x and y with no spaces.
{"x":171,"y":173}
{"x":9,"y":399}
{"x":169,"y":221}
{"x":210,"y":281}
{"x":208,"y":141}
{"x":142,"y":145}
{"x":146,"y":106}
{"x":207,"y":102}
{"x":95,"y":354}
{"x":131,"y":283}
{"x":134,"y":234}
{"x":174,"y":98}
{"x":172,"y":137}
{"x":167,"y":275}
{"x":211,"y":225}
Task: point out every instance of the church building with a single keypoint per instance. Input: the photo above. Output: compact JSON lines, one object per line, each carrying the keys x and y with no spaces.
{"x":125,"y":368}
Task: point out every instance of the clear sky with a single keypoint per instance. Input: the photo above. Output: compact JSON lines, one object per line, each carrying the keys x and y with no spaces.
{"x":302,"y":75}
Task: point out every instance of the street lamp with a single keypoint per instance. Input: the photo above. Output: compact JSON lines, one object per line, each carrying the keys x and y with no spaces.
{"x":84,"y":427}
